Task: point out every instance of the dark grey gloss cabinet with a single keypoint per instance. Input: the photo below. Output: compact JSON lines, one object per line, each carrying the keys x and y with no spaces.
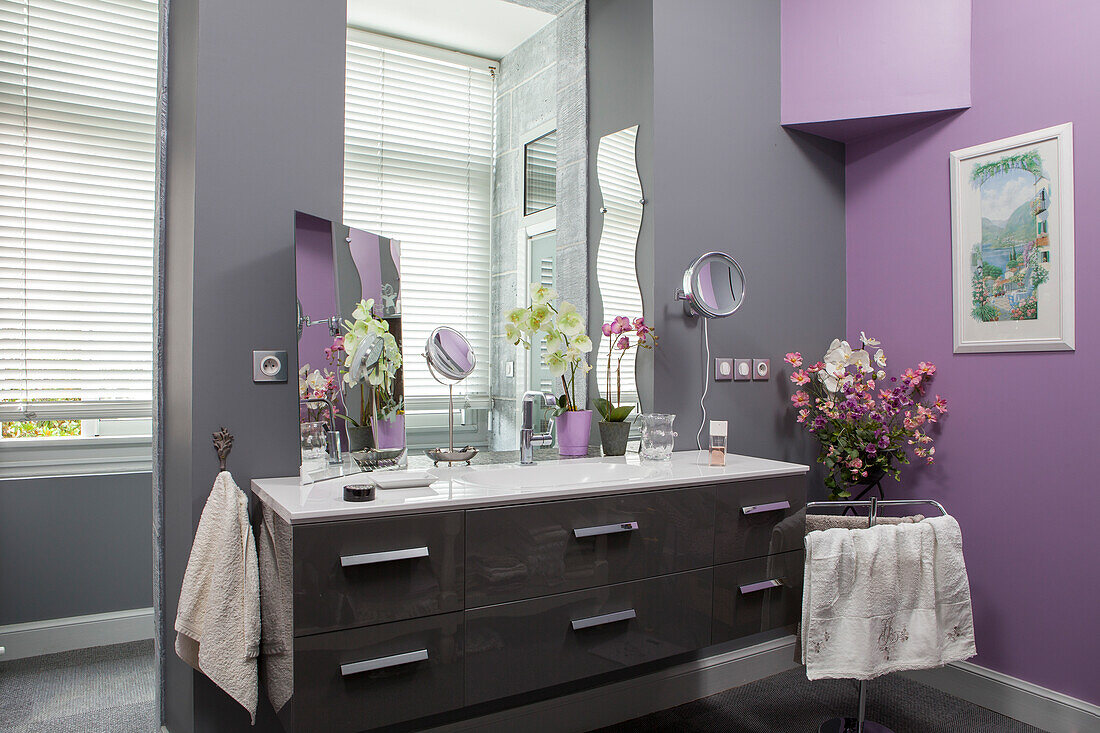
{"x":536,"y":549}
{"x":527,"y":645}
{"x":379,"y":621}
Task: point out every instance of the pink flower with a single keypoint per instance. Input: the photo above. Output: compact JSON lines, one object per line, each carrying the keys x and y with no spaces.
{"x":793,"y":358}
{"x":639,"y":324}
{"x":607,"y":329}
{"x":800,"y":378}
{"x":815,"y":367}
{"x":927,"y":368}
{"x":855,"y":464}
{"x":800,"y":399}
{"x":621,"y":324}
{"x":623,"y":343}
{"x":941,"y":404}
{"x":802,"y":415}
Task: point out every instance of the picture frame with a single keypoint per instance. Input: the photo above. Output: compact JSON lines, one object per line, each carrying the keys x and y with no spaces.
{"x":1012,"y":243}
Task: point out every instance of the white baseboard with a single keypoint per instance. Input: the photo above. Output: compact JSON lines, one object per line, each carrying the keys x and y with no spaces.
{"x":77,"y":632}
{"x":1038,"y":706}
{"x":620,"y":701}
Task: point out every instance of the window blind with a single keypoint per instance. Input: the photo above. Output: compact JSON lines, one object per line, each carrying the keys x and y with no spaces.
{"x":78,"y":95}
{"x":418,"y":157}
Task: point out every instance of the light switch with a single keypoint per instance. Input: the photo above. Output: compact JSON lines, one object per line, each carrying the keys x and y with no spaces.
{"x":742,"y":370}
{"x":723,"y":369}
{"x":761,"y":369}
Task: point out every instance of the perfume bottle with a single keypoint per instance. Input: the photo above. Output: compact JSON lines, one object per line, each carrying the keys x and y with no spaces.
{"x":718,"y":442}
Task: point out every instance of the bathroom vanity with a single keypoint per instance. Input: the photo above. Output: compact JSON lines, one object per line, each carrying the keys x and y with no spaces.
{"x":499,"y":581}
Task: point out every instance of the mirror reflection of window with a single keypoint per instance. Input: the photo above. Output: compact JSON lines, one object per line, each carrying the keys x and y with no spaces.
{"x":418,"y":160}
{"x":540,"y":169}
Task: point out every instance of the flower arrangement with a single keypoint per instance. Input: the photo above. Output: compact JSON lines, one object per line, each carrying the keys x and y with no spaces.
{"x":619,"y":331}
{"x":317,"y":385}
{"x":566,"y":342}
{"x":865,"y":424}
{"x":379,"y":399}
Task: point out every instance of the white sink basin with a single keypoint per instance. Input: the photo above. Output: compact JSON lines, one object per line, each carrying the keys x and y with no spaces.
{"x":549,"y":475}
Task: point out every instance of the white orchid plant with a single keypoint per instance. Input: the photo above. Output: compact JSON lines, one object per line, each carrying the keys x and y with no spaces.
{"x":566,"y":341}
{"x":380,"y":377}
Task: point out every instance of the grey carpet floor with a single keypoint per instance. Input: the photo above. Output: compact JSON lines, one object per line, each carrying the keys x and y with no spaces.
{"x":100,"y":690}
{"x":789,"y":703}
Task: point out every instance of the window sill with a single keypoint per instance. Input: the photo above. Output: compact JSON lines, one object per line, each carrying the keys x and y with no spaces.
{"x":44,"y":457}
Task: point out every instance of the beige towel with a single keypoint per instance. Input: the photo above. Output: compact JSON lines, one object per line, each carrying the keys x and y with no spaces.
{"x":218,"y":620}
{"x":816,"y":522}
{"x":885,"y":599}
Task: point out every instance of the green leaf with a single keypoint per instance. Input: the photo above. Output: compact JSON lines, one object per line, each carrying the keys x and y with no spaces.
{"x":604,"y":408}
{"x":620,"y":413}
{"x":350,"y":420}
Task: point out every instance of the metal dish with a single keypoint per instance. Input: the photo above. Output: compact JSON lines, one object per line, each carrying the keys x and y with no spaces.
{"x":374,"y":459}
{"x":443,"y":455}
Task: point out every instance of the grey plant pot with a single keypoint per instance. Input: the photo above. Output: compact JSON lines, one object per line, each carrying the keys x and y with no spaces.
{"x":614,"y":435}
{"x":359,"y":438}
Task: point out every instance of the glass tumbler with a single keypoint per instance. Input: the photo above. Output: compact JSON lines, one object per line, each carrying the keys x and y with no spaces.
{"x":313,"y":440}
{"x":657,"y":437}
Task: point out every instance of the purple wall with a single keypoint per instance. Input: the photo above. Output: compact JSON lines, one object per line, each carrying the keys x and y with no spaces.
{"x":316,"y":285}
{"x":886,"y":57}
{"x":1014,"y":452}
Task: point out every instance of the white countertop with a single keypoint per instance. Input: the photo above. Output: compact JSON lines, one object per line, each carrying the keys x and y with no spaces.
{"x":505,"y":484}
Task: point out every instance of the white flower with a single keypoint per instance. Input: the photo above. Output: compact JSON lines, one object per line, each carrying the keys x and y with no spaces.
{"x":880,"y":375}
{"x":541,"y":294}
{"x":515,"y":316}
{"x":583,"y":343}
{"x":862,"y":360}
{"x":556,"y":364}
{"x":570,"y":323}
{"x":880,"y":359}
{"x":868,"y":341}
{"x":512,"y":333}
{"x":554,"y":342}
{"x":838,"y":354}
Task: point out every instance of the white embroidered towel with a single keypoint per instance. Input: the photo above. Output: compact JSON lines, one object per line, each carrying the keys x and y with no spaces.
{"x":885,"y":599}
{"x":218,"y":620}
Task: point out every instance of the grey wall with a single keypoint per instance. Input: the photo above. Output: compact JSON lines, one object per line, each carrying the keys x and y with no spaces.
{"x":75,"y":545}
{"x":256,"y":90}
{"x":620,"y":83}
{"x":728,"y":177}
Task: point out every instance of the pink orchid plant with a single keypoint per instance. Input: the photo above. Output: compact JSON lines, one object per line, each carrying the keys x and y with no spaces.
{"x":865,"y":423}
{"x":623,"y":334}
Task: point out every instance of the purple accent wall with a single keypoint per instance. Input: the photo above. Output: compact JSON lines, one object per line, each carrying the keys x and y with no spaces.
{"x":367,"y":258}
{"x":1015,"y":451}
{"x":885,"y":57}
{"x":316,"y":285}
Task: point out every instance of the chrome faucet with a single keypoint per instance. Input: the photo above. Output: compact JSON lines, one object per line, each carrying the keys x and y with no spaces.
{"x":528,"y":438}
{"x":332,"y":437}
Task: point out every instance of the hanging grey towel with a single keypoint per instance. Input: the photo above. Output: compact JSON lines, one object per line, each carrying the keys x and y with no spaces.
{"x":885,"y":599}
{"x":218,"y":621}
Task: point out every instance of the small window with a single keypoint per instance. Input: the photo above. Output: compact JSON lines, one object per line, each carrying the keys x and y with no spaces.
{"x":540,"y":167}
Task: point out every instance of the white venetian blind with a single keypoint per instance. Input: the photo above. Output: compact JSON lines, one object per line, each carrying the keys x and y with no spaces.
{"x":78,"y":83}
{"x":418,"y":157}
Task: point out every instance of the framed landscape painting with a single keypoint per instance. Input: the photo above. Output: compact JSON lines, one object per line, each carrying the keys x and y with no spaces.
{"x":1012,"y":243}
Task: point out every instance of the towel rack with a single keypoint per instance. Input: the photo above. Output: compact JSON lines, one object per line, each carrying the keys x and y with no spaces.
{"x":860,"y":724}
{"x":223,"y":443}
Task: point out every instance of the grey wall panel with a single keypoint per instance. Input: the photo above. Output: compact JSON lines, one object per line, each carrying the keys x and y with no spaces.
{"x":75,"y":545}
{"x":620,"y":90}
{"x":256,"y":91}
{"x":728,"y":177}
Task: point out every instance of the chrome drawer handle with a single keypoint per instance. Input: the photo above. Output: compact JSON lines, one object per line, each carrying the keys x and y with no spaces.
{"x":607,"y":618}
{"x":773,"y":507}
{"x":390,"y":555}
{"x":762,"y":585}
{"x":605,"y":529}
{"x":420,"y":655}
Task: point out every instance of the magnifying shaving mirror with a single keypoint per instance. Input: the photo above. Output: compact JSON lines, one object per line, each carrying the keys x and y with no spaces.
{"x":450,"y":360}
{"x":714,"y":286}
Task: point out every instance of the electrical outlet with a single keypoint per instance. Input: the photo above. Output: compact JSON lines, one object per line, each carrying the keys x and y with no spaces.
{"x":723,"y":369}
{"x":269,"y":366}
{"x":761,"y":369}
{"x":742,"y":370}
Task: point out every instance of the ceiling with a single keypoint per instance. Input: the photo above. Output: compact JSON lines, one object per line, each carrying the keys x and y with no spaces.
{"x":486,"y":28}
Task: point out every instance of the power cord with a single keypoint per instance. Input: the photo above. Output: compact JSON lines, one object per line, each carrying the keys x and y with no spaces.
{"x":706,"y":385}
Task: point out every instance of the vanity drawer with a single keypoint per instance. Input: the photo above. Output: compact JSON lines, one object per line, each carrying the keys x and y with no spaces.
{"x":373,"y":571}
{"x":759,"y":517}
{"x":374,"y":676}
{"x":757,"y":595}
{"x":538,"y":549}
{"x":527,"y":645}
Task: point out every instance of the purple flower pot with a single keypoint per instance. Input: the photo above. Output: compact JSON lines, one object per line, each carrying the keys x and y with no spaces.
{"x":573,"y":431}
{"x":389,"y":433}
